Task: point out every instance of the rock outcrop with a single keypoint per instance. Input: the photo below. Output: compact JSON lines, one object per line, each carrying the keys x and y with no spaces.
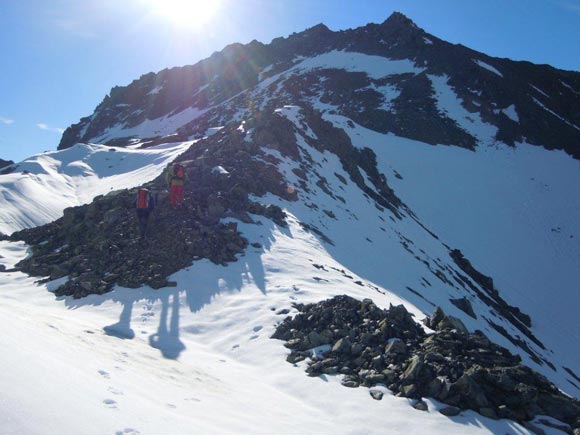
{"x":370,"y":346}
{"x":97,"y":245}
{"x":4,"y":163}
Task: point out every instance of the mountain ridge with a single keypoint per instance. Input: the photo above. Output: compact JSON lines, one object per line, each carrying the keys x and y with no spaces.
{"x":377,"y":163}
{"x":550,"y":100}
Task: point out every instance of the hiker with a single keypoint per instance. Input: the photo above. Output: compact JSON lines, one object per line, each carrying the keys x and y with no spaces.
{"x":175,"y":179}
{"x":144,"y":203}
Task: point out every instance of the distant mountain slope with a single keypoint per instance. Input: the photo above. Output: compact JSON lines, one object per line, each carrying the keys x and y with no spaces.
{"x":38,"y":189}
{"x":403,"y":92}
{"x":4,"y":163}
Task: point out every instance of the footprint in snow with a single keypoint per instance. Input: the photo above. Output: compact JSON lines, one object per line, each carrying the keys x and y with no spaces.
{"x":104,"y":374}
{"x":235,"y":346}
{"x":110,"y":403}
{"x":115,"y":391}
{"x":192,"y":399}
{"x":258,"y":328}
{"x":253,"y":337}
{"x":127,"y":431}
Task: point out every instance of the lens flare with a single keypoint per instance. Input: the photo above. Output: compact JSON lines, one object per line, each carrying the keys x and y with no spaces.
{"x":193,"y":13}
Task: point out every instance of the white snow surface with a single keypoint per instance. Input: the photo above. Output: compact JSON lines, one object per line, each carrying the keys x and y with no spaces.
{"x":488,"y":67}
{"x":45,"y":184}
{"x":375,"y":67}
{"x":193,"y":359}
{"x":451,"y":105}
{"x":511,"y":113}
{"x":510,"y":212}
{"x":151,"y":127}
{"x":198,"y":357}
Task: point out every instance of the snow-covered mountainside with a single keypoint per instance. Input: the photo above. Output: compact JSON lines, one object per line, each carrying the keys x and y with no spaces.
{"x":379,"y":162}
{"x":38,"y":189}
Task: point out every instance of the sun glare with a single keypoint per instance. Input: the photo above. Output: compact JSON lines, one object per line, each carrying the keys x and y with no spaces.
{"x":190,"y":13}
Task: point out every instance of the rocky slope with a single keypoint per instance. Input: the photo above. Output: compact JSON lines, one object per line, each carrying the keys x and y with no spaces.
{"x":370,"y":347}
{"x":4,"y":163}
{"x":97,"y":245}
{"x":519,"y":100}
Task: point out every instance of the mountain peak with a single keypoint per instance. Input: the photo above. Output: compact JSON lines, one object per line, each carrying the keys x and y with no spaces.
{"x":318,"y":28}
{"x":400,"y":20}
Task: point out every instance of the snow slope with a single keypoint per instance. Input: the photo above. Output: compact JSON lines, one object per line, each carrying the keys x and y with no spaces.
{"x":201,"y":359}
{"x":508,"y":209}
{"x":44,"y":185}
{"x":198,"y":358}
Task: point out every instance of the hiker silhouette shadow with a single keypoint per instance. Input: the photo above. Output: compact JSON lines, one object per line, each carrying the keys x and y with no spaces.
{"x":122,"y":329}
{"x":167,"y":339}
{"x":198,"y":285}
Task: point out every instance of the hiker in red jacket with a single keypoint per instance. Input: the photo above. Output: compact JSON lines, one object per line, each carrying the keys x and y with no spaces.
{"x":144,"y":203}
{"x":175,"y":180}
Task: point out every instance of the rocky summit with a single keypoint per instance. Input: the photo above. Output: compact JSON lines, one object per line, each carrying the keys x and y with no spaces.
{"x":521,"y":101}
{"x":368,"y":346}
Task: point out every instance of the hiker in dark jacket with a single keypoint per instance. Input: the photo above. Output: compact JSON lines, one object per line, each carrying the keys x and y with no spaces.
{"x":144,"y":203}
{"x":175,"y":179}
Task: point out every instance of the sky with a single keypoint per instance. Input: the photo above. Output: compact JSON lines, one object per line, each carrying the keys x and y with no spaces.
{"x":59,"y":58}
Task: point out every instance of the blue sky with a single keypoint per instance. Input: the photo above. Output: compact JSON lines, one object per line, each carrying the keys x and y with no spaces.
{"x":59,"y":58}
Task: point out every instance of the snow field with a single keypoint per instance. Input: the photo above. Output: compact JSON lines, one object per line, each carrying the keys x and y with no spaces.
{"x":48,"y":183}
{"x":221,"y":373}
{"x":509,"y":210}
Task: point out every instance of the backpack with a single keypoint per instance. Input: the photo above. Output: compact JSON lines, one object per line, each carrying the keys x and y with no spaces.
{"x":142,"y":199}
{"x":178,"y":172}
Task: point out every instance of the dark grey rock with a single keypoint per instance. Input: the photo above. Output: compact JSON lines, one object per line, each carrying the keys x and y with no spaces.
{"x":461,"y":369}
{"x":377,"y":395}
{"x":450,"y":411}
{"x":489,"y":413}
{"x":350,"y":382}
{"x":396,"y":346}
{"x":420,"y":405}
{"x":464,"y":305}
{"x":343,"y":345}
{"x":413,"y":370}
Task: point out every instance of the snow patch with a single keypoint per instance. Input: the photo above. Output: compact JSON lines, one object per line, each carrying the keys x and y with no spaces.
{"x":539,"y":103}
{"x":219,"y":170}
{"x":569,"y":87}
{"x":155,"y":90}
{"x":152,"y":127}
{"x":539,"y":90}
{"x":390,"y":93}
{"x":451,"y":106}
{"x":213,"y":130}
{"x":487,"y":67}
{"x":511,"y":113}
{"x":48,"y":183}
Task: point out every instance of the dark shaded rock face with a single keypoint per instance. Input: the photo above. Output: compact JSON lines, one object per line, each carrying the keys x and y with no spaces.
{"x":371,"y":346}
{"x":546,"y":100}
{"x":4,"y":163}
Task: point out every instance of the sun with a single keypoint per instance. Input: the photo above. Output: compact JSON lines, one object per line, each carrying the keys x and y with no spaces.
{"x":191,"y":13}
